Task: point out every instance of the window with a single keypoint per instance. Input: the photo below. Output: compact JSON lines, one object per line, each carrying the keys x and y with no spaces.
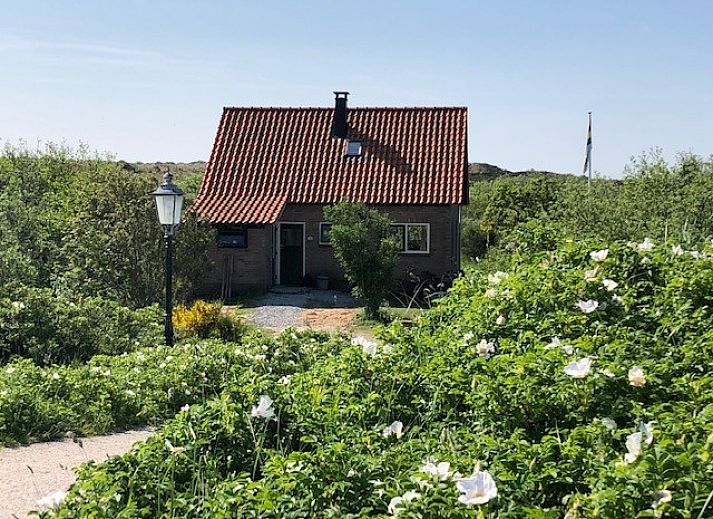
{"x":414,"y":237}
{"x":233,"y":236}
{"x":324,"y":229}
{"x":353,"y":148}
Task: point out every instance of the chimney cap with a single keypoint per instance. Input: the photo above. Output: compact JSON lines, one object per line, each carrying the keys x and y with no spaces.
{"x":341,"y":93}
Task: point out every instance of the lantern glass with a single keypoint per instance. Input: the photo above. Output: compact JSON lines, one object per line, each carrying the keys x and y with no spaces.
{"x":169,"y":207}
{"x":169,"y":203}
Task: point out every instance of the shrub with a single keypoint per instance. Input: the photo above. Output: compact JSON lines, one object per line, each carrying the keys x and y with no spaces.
{"x":207,"y":320}
{"x":61,"y":226}
{"x":110,"y":393}
{"x":363,"y":245}
{"x":48,"y":328}
{"x":656,"y":199}
{"x":480,"y":383}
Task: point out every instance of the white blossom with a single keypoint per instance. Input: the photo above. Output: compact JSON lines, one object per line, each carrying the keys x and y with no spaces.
{"x":130,"y":393}
{"x":609,"y":423}
{"x":591,"y":275}
{"x":284,"y":380}
{"x":646,"y":245}
{"x":660,"y":497}
{"x":607,"y":373}
{"x":491,"y":293}
{"x":554,"y":343}
{"x":599,"y":255}
{"x":294,"y":466}
{"x":617,"y":298}
{"x":264,"y":408}
{"x":478,"y":489}
{"x":394,"y":508}
{"x":485,"y":348}
{"x":501,"y":320}
{"x":609,"y":284}
{"x":18,"y":305}
{"x":55,"y":376}
{"x":497,"y":277}
{"x":440,"y":470}
{"x":588,"y":306}
{"x":367,"y":346}
{"x":637,"y":377}
{"x":52,"y":501}
{"x":694,"y":254}
{"x":185,"y":408}
{"x":633,"y":446}
{"x":396,"y":429}
{"x":579,"y":368}
{"x":647,"y":430}
{"x":677,"y":250}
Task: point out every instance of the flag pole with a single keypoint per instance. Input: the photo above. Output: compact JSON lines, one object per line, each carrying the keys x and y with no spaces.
{"x":590,"y":150}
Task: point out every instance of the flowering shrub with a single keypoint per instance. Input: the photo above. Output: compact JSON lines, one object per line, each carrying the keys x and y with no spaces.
{"x":550,"y":412}
{"x":207,"y":320}
{"x":49,"y":328}
{"x":113,"y":392}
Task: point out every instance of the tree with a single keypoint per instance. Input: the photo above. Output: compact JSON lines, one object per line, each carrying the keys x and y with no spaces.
{"x":365,"y":247}
{"x":115,"y":248}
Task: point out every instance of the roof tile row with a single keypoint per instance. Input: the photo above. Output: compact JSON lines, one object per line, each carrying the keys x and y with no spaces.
{"x":264,"y":158}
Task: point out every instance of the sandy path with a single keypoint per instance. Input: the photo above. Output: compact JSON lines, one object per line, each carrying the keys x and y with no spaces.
{"x":51,"y":467}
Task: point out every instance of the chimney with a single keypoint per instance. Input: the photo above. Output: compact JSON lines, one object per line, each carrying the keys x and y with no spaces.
{"x":339,"y":127}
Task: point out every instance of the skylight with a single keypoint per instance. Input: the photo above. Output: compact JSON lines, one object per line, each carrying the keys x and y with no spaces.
{"x":353,"y":148}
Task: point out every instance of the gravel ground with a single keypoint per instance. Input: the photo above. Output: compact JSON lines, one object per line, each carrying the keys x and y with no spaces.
{"x":34,"y":471}
{"x":280,"y":310}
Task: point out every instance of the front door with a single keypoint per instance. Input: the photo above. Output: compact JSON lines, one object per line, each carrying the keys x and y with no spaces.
{"x":291,"y":253}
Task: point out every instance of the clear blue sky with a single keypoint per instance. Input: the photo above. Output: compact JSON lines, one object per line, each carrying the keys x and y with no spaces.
{"x":146,"y":80}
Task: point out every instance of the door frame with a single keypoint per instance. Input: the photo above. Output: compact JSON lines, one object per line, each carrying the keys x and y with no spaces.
{"x":278,"y":263}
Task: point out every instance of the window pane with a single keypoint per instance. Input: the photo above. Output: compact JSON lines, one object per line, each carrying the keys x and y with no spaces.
{"x":354,"y":148}
{"x":324,"y":230}
{"x":398,"y":233}
{"x":234,"y":238}
{"x":417,"y":239}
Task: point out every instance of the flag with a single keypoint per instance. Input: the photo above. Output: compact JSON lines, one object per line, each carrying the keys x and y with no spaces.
{"x":588,"y":158}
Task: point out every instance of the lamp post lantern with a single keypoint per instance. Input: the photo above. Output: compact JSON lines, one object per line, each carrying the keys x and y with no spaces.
{"x":169,"y":205}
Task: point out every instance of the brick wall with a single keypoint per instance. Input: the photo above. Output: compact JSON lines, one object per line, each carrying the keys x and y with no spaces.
{"x":253,"y":266}
{"x":443,"y":255}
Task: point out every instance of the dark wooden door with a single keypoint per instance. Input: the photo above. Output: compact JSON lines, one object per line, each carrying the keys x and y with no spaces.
{"x":291,"y":254}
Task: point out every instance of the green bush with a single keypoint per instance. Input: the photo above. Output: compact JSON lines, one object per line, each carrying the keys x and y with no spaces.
{"x":81,"y":224}
{"x":481,"y":383}
{"x":656,"y":199}
{"x":144,"y":387}
{"x":364,"y":246}
{"x":48,"y":328}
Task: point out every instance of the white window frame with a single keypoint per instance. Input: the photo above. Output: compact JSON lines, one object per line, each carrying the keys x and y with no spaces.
{"x":319,"y":233}
{"x":405,"y":244}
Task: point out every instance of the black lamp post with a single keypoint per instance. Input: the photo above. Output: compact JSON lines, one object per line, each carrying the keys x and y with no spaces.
{"x":169,"y":204}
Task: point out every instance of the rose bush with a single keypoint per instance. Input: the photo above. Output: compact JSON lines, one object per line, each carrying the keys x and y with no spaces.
{"x":551,"y":411}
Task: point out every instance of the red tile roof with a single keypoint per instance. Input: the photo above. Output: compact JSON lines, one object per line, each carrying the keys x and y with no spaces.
{"x":264,"y":158}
